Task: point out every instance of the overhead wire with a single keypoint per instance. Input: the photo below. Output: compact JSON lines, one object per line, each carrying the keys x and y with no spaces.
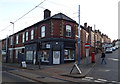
{"x":23,"y":15}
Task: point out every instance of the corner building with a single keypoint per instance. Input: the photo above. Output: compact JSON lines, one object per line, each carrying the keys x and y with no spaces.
{"x":53,"y":40}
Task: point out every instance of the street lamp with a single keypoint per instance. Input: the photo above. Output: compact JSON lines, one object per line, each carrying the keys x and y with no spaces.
{"x":13,"y":26}
{"x":12,"y":39}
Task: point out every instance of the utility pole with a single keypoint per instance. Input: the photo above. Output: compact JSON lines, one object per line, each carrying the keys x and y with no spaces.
{"x":79,"y":36}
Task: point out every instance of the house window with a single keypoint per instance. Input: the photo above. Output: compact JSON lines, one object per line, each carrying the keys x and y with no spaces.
{"x":69,"y":54}
{"x":26,"y":36}
{"x":23,"y":37}
{"x":68,"y":31}
{"x":32,"y":34}
{"x":17,"y":39}
{"x":43,"y":31}
{"x":11,"y":41}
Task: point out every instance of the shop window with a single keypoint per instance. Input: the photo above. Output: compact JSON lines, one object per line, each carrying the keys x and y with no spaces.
{"x":69,"y":54}
{"x":11,"y":54}
{"x":29,"y":55}
{"x":68,"y":31}
{"x":45,"y":56}
{"x":16,"y":54}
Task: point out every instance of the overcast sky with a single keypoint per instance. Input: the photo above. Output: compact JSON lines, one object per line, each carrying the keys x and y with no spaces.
{"x":102,"y":13}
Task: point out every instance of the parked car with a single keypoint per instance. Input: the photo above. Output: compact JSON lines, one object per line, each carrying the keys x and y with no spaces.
{"x":109,"y":50}
{"x":113,"y":48}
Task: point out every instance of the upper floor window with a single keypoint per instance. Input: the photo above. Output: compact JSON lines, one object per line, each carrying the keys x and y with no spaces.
{"x":68,"y":31}
{"x":43,"y":31}
{"x":16,"y":39}
{"x":32,"y":34}
{"x":11,"y":41}
{"x":23,"y":37}
{"x":26,"y":36}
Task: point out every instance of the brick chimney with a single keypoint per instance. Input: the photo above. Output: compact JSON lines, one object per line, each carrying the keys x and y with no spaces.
{"x":85,"y":25}
{"x":47,"y":13}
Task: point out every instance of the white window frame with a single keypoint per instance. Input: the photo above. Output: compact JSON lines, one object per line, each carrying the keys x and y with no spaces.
{"x":23,"y":37}
{"x":68,"y":30}
{"x":43,"y":31}
{"x":11,"y":41}
{"x":17,"y":36}
{"x":26,"y":36}
{"x":32,"y":34}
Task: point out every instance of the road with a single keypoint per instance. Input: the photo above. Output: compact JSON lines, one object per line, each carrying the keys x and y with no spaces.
{"x":105,"y":72}
{"x":14,"y":79}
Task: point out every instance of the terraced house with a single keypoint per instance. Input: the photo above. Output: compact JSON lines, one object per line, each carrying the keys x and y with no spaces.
{"x":52,"y":40}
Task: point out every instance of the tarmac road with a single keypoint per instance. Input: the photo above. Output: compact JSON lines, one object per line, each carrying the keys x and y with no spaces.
{"x":105,"y":72}
{"x":9,"y":78}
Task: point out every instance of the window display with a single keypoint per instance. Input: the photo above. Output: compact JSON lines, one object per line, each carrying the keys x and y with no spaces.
{"x":45,"y":56}
{"x":29,"y":55}
{"x":69,"y":54}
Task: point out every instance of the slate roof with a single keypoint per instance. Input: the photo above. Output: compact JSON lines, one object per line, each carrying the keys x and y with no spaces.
{"x":59,"y":16}
{"x":62,"y":16}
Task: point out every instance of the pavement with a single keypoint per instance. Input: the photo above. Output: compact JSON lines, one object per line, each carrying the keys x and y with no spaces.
{"x":54,"y":73}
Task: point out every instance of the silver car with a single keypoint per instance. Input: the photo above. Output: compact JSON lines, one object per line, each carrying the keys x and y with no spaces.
{"x":109,"y":50}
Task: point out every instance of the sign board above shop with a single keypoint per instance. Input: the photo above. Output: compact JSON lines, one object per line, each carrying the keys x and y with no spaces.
{"x":47,"y":45}
{"x":87,"y":45}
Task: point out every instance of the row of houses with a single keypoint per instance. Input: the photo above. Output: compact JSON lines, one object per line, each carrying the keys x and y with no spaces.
{"x":53,"y":40}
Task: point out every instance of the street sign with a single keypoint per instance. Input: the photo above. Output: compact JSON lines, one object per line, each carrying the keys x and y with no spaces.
{"x":87,"y":45}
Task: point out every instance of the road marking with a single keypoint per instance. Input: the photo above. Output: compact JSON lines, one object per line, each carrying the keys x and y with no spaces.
{"x":97,"y":81}
{"x":89,"y":77}
{"x":102,"y":80}
{"x":85,"y":79}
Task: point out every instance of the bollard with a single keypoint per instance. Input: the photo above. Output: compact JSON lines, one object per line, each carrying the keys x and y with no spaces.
{"x":93,"y":57}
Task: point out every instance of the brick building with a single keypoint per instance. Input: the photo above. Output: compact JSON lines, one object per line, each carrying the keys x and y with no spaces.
{"x":52,"y":40}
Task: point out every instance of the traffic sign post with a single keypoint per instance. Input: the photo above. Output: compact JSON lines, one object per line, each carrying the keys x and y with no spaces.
{"x":87,"y":46}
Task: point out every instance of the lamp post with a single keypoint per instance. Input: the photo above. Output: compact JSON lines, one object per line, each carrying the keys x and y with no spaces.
{"x":12,"y":42}
{"x":13,"y":26}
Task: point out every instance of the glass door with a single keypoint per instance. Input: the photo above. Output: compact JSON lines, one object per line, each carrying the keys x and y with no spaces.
{"x":56,"y":57}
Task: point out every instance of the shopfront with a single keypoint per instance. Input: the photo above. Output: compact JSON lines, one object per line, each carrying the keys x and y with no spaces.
{"x":30,"y":53}
{"x":57,"y":51}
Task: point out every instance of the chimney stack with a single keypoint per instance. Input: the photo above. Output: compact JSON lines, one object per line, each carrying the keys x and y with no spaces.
{"x":85,"y":25}
{"x":47,"y":13}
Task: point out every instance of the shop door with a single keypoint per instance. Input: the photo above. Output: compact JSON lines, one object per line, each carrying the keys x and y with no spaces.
{"x":56,"y":57}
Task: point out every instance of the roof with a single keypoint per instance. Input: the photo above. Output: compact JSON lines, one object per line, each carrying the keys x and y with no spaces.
{"x":62,"y":16}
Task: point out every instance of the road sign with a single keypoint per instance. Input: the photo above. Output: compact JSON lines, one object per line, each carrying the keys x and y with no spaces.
{"x":87,"y":45}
